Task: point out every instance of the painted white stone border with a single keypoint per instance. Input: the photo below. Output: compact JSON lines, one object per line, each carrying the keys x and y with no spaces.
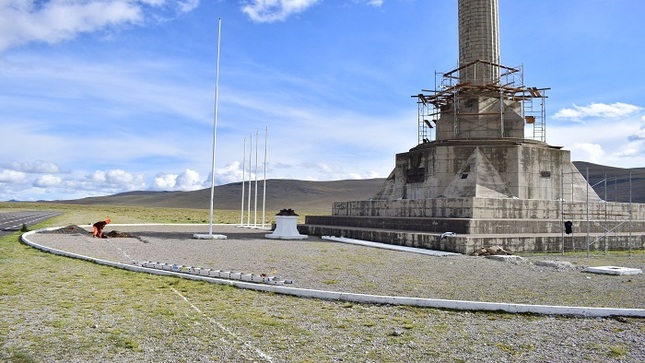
{"x":613,"y":270}
{"x":359,"y":298}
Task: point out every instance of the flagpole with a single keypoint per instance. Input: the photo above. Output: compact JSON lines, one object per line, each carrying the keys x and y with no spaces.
{"x":210,"y":234}
{"x":248,"y":207}
{"x":255,"y":216}
{"x":219,"y":37}
{"x":243,"y":184}
{"x":264,"y":192}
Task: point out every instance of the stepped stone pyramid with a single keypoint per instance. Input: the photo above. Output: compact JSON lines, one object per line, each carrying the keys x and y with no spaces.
{"x":480,"y":176}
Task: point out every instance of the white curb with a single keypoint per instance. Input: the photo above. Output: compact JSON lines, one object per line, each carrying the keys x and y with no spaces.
{"x":360,"y":298}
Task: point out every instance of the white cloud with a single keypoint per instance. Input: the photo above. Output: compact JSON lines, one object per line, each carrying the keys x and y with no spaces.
{"x":97,"y":176}
{"x":186,"y":181}
{"x":57,"y":20}
{"x":38,"y":167}
{"x":613,"y":110}
{"x":164,"y":182}
{"x":592,"y":153}
{"x":123,"y":178}
{"x":47,"y":181}
{"x":115,"y":178}
{"x":11,"y":176}
{"x":612,"y":142}
{"x":188,"y":5}
{"x":25,"y":21}
{"x":268,"y":11}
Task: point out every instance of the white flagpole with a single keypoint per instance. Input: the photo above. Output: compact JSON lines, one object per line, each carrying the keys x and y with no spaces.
{"x":243,"y":181}
{"x":219,"y":37}
{"x":248,"y":208}
{"x":264,"y":192}
{"x":255,"y":217}
{"x":210,"y":234}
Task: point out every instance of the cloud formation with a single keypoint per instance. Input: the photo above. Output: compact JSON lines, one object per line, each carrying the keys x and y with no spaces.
{"x":38,"y":167}
{"x":186,"y":181}
{"x":53,"y":21}
{"x":269,"y":11}
{"x":613,"y":110}
{"x":11,"y":176}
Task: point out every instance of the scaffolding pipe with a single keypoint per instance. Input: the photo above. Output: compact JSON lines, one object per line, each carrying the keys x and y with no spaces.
{"x":606,"y":221}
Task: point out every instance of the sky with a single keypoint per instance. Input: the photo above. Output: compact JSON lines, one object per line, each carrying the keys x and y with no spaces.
{"x":106,"y":96}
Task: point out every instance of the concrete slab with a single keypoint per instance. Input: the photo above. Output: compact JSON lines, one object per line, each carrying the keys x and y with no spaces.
{"x":613,"y":270}
{"x":389,"y":246}
{"x":292,"y":236}
{"x":209,"y":236}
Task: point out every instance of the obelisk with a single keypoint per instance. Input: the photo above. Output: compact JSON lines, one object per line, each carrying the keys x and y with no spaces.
{"x":478,"y":40}
{"x":478,"y":107}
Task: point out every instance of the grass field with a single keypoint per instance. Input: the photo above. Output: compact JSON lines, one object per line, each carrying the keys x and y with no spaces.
{"x":87,"y":214}
{"x":57,"y":309}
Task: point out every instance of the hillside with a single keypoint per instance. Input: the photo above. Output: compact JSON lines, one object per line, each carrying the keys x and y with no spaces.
{"x":618,"y":182}
{"x":313,"y":196}
{"x":318,"y":196}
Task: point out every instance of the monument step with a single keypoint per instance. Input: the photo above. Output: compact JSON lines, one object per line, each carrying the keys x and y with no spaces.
{"x":468,"y":243}
{"x":474,"y":226}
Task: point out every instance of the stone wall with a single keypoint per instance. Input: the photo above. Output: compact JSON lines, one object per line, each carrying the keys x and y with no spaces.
{"x":489,"y":208}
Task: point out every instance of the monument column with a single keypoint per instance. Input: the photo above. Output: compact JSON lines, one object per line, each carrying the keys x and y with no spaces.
{"x":478,"y":40}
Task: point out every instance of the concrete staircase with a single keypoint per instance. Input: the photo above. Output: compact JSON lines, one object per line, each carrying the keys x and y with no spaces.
{"x":514,"y":225}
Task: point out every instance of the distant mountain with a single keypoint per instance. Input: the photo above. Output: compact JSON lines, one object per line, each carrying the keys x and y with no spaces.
{"x":318,"y":196}
{"x":618,"y":184}
{"x":313,"y":196}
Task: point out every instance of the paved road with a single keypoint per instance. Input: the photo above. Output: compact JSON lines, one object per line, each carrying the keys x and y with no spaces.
{"x":13,"y":221}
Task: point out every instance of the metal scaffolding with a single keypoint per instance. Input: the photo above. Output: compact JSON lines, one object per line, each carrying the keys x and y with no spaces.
{"x":450,"y":93}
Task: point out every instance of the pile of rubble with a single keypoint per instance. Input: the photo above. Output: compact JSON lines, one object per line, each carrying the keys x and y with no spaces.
{"x":71,"y":229}
{"x":488,"y":251}
{"x":74,"y":229}
{"x":117,"y":234}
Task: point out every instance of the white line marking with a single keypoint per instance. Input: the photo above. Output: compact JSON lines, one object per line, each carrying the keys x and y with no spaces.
{"x":225,"y":329}
{"x":119,"y":249}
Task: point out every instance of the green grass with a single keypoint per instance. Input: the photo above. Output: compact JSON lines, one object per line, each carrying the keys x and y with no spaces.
{"x":86,"y":214}
{"x":54,"y":308}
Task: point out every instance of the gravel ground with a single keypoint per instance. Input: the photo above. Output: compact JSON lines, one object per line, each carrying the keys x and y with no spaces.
{"x":325,"y":265}
{"x":390,"y":333}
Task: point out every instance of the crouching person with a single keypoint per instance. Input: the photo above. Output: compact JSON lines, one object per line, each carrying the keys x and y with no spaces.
{"x":97,"y":228}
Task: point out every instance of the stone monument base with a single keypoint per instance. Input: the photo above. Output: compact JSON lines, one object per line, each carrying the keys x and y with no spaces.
{"x":515,"y":225}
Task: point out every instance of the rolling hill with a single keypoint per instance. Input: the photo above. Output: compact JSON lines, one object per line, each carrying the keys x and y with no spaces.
{"x":318,"y":196}
{"x":313,"y":196}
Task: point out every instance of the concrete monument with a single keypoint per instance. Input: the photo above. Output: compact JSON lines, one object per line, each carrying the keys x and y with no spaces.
{"x":474,"y":171}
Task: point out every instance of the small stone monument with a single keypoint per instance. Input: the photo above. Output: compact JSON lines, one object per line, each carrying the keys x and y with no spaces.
{"x":286,"y":226}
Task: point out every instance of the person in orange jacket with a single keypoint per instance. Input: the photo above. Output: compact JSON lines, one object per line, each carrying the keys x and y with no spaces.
{"x":98,"y":228}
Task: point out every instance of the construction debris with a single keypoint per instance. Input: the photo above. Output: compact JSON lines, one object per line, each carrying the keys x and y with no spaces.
{"x":494,"y":250}
{"x":71,"y":229}
{"x":117,"y":234}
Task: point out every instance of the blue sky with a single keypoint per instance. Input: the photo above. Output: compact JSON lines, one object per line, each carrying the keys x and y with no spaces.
{"x":106,"y":96}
